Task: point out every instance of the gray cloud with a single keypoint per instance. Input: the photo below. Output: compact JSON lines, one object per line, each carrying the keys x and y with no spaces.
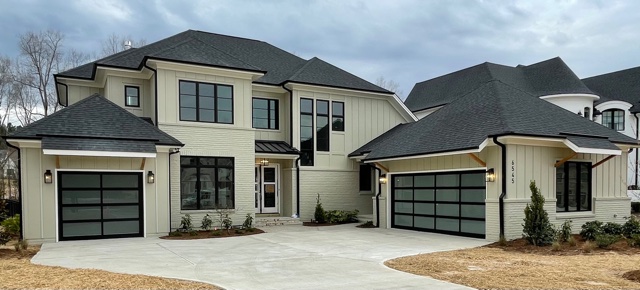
{"x":405,"y":40}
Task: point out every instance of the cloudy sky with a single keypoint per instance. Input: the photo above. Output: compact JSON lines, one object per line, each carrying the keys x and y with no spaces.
{"x":402,"y":40}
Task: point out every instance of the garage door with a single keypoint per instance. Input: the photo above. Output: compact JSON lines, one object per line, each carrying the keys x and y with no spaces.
{"x":99,"y":205}
{"x":448,"y":202}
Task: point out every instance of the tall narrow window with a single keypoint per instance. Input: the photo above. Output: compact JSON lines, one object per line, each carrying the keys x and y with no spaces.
{"x":337,"y":112}
{"x":306,"y":132}
{"x":613,"y":119}
{"x":366,"y":173}
{"x":322,"y":125}
{"x":203,"y":102}
{"x":265,"y":113}
{"x":573,"y":187}
{"x":587,"y":113}
{"x":131,"y":96}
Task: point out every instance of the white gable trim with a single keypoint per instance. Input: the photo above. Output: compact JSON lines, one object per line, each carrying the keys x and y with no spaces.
{"x":579,"y":149}
{"x":97,"y":153}
{"x":622,"y":105}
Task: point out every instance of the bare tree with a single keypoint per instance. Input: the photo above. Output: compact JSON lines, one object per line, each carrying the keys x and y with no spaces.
{"x":389,"y":85}
{"x":116,"y":43}
{"x":74,"y":58}
{"x":6,"y":83}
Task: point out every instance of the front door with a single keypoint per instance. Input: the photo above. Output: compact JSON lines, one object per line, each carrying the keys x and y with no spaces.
{"x":267,"y":188}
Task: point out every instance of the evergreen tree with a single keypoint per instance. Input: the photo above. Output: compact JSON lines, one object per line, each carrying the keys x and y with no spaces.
{"x":537,"y":229}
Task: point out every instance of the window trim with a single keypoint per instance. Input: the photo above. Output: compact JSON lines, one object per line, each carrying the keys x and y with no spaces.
{"x":613,"y":118}
{"x":198,"y":166}
{"x":334,"y":115}
{"x":329,"y":125}
{"x":126,"y":99}
{"x":215,"y":100}
{"x":578,"y":189}
{"x":277,"y":117}
{"x":313,"y":126}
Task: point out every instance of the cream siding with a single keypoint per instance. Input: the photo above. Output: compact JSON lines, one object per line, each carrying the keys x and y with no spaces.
{"x":282,"y":134}
{"x":114,"y":91}
{"x":77,"y":93}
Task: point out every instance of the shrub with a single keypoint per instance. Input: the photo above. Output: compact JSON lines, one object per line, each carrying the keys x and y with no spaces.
{"x":590,"y":230}
{"x":635,"y":207}
{"x":588,"y":247}
{"x":537,"y":229}
{"x":612,"y":229}
{"x":185,"y":223}
{"x":564,"y":232}
{"x":23,"y":244}
{"x":175,"y":234}
{"x":319,"y":214}
{"x":634,"y":240}
{"x":207,"y":222}
{"x":193,"y":233}
{"x":572,"y":241}
{"x":248,"y":222}
{"x":12,"y":225}
{"x":227,"y":223}
{"x":631,"y":227}
{"x":216,"y":233}
{"x":4,"y":238}
{"x":238,"y":231}
{"x":556,"y":246}
{"x":606,"y":240}
{"x":341,"y":216}
{"x":251,"y":230}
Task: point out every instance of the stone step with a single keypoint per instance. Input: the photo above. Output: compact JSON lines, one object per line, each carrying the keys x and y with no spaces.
{"x":276,"y":221}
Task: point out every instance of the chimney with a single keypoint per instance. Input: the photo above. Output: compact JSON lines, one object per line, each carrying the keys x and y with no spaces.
{"x":127,"y":44}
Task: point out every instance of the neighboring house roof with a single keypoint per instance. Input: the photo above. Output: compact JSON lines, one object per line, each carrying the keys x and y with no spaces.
{"x":210,"y":49}
{"x":95,"y":124}
{"x":275,"y":147}
{"x":622,"y":85}
{"x":548,"y":77}
{"x":494,"y":108}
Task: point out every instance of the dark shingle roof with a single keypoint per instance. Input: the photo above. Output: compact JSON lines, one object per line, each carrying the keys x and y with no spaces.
{"x":622,"y":85}
{"x":494,"y":108}
{"x":548,"y":77}
{"x":218,"y":50}
{"x":275,"y":147}
{"x":95,"y":122}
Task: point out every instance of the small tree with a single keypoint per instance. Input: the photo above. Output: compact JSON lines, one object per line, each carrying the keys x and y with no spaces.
{"x":319,"y":214}
{"x":537,"y":229}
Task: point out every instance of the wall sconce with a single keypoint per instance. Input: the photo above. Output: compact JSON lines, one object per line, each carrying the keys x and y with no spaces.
{"x":491,"y":175}
{"x":264,"y":162}
{"x":48,"y":176}
{"x":151,"y":178}
{"x":383,"y":179}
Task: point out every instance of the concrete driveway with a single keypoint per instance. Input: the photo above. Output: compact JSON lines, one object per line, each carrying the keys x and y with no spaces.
{"x":286,"y":257}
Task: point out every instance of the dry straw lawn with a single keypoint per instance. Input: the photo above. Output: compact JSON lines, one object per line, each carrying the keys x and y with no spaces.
{"x":17,"y":272}
{"x":495,"y":268}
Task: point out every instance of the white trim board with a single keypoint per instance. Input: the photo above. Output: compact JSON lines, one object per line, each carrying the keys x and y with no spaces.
{"x":97,"y":153}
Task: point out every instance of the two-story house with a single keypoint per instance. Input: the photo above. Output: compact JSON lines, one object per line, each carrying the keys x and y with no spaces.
{"x":195,"y":123}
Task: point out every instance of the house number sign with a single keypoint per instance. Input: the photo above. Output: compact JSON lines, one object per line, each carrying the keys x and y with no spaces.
{"x":513,"y":171}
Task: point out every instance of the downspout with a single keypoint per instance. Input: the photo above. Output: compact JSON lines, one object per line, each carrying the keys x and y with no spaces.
{"x":170,"y":153}
{"x":637,"y":131}
{"x":19,"y":186}
{"x":503,"y":181}
{"x":155,"y":91}
{"x":298,"y":185}
{"x":291,"y":142}
{"x":378,"y":196}
{"x":290,"y":113}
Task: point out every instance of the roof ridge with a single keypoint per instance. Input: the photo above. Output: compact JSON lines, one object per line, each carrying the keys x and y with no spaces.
{"x":224,"y":52}
{"x":451,"y":73}
{"x":613,"y":73}
{"x":301,"y":69}
{"x":225,"y":35}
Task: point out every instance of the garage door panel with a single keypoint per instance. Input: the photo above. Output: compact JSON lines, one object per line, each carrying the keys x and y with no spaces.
{"x":447,"y":180}
{"x":121,"y":227}
{"x":81,"y":213}
{"x":424,"y":194}
{"x":472,"y":211}
{"x":477,"y":179}
{"x":403,"y":220}
{"x":450,"y":225}
{"x":82,"y":229}
{"x":447,"y":194}
{"x":80,"y":180}
{"x":121,"y":212}
{"x":472,"y":195}
{"x":119,"y":181}
{"x":476,"y":227}
{"x":80,"y":196}
{"x":404,"y":207}
{"x":404,"y":181}
{"x":424,"y":222}
{"x":403,"y":194}
{"x":121,"y":196}
{"x":424,"y":208}
{"x":424,"y":180}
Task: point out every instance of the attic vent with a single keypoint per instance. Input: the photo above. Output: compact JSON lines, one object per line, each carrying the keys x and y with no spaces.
{"x":127,"y":44}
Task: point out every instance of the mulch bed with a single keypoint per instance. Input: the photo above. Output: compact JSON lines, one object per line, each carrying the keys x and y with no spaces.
{"x":366,"y":226}
{"x":213,"y":234}
{"x":632,"y":275}
{"x":521,"y":245}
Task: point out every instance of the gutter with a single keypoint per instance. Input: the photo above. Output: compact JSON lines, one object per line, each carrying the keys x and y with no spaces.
{"x":155,"y":91}
{"x":503,"y":181}
{"x":298,"y":186}
{"x":19,"y":186}
{"x":56,"y":83}
{"x":378,"y":196}
{"x":170,"y":153}
{"x":637,"y":137}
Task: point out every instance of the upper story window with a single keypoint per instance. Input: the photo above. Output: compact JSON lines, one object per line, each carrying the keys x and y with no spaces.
{"x":613,"y":119}
{"x":131,"y":96}
{"x":306,"y":132}
{"x":322,"y":125}
{"x":337,"y":112}
{"x":587,"y":113}
{"x":205,"y":102}
{"x":573,"y":187}
{"x":206,"y":182}
{"x":265,"y":113}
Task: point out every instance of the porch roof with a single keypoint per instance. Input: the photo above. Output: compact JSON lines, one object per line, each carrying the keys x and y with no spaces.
{"x":275,"y":147}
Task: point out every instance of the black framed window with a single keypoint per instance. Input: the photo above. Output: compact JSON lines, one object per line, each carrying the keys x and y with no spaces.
{"x":587,"y":113}
{"x":337,"y":113}
{"x":131,"y":96}
{"x":205,"y":102}
{"x":366,"y":179}
{"x":573,"y":187}
{"x":306,"y":132}
{"x":206,"y":182}
{"x":613,"y":119}
{"x":265,"y":113}
{"x":322,"y":125}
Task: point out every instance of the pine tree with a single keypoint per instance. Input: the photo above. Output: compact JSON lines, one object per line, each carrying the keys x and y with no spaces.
{"x":537,"y":229}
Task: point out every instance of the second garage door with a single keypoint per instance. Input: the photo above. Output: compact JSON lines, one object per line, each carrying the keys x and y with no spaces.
{"x":447,"y":202}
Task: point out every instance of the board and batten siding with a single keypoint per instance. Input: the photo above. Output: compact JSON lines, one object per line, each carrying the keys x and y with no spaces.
{"x":114,"y":91}
{"x":282,"y":133}
{"x":77,"y":93}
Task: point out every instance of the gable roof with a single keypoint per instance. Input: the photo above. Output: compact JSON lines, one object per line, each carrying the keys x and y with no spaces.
{"x":216,"y":50}
{"x":548,"y":77}
{"x":622,"y":85}
{"x":494,"y":108}
{"x":96,"y":124}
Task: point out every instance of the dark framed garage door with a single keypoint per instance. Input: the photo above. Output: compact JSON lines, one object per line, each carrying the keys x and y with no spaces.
{"x":447,"y":202}
{"x":99,"y":205}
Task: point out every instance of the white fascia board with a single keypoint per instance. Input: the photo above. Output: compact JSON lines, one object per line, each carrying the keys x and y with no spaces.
{"x":404,"y":108}
{"x":585,"y":150}
{"x":592,"y":96}
{"x":276,"y":156}
{"x":613,"y":105}
{"x":25,"y":143}
{"x":97,"y":153}
{"x":424,"y":156}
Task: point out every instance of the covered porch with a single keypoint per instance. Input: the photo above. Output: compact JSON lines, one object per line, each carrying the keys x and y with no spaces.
{"x":276,"y":179}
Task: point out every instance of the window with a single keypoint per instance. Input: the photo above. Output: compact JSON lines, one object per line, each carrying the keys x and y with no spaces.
{"x":206,"y":182}
{"x":337,"y":112}
{"x":203,"y":102}
{"x":306,"y":132}
{"x":613,"y":119}
{"x":131,"y":96}
{"x":587,"y":113}
{"x":265,"y":114}
{"x":573,"y":187}
{"x":322,"y":125}
{"x":366,"y":173}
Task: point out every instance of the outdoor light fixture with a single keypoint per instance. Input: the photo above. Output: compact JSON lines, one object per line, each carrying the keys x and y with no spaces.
{"x":151,"y":178}
{"x":264,"y":162}
{"x":383,"y":179}
{"x":48,"y":176}
{"x":491,"y":175}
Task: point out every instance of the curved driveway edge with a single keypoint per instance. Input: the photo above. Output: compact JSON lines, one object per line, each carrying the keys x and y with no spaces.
{"x":286,"y":257}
